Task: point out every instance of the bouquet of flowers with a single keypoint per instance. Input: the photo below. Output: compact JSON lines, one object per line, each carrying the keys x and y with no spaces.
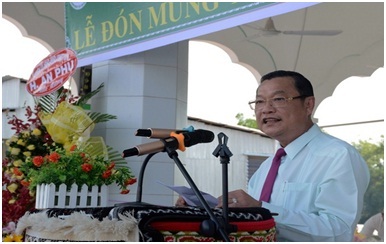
{"x":54,"y":146}
{"x":30,"y":139}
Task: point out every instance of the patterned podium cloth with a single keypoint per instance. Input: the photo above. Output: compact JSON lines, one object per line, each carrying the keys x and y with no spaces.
{"x":191,"y":224}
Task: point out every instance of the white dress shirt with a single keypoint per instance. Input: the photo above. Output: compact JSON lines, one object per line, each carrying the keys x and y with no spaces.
{"x":318,"y":193}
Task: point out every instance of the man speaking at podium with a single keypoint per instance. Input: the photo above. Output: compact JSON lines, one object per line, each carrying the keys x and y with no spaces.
{"x":316,"y":182}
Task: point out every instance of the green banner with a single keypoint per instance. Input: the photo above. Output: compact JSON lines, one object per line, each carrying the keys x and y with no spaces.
{"x":96,"y":27}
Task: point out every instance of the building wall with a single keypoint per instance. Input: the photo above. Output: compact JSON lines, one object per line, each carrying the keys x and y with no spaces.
{"x":15,"y":99}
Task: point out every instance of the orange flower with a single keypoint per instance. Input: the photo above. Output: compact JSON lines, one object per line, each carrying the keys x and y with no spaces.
{"x":106,"y":174}
{"x":17,"y":172}
{"x":86,"y":167}
{"x":54,"y":157}
{"x":38,"y":161}
{"x":24,"y":183}
{"x":130,"y":181}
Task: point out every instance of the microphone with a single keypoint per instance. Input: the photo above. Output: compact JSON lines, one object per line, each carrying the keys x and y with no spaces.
{"x":176,"y":141}
{"x":161,"y":133}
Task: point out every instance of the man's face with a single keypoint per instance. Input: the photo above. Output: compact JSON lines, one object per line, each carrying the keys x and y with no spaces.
{"x":289,"y":121}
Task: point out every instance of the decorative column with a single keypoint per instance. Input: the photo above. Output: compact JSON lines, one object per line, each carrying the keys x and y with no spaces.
{"x":144,"y":90}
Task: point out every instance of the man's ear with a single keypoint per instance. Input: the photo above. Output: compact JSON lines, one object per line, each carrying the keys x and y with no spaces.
{"x":309,"y":102}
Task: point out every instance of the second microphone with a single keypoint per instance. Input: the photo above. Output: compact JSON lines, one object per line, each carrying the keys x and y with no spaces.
{"x":189,"y":139}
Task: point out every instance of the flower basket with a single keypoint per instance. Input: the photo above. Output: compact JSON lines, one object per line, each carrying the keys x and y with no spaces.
{"x":51,"y":196}
{"x":54,"y":146}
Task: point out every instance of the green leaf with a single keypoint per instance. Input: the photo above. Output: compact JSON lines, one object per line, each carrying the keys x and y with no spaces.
{"x":84,"y":99}
{"x":249,"y":122}
{"x":116,"y":157}
{"x":62,"y":178}
{"x":97,"y":117}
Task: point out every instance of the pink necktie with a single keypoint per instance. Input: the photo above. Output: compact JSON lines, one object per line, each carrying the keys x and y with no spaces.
{"x":269,"y":181}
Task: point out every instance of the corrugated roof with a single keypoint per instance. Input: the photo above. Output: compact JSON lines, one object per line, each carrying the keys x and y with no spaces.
{"x":233,"y":127}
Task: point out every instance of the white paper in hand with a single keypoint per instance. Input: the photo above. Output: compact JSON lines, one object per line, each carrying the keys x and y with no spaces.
{"x":190,"y":197}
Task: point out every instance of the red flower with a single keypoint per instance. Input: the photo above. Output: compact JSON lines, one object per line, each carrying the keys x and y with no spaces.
{"x":106,"y":174}
{"x":72,"y":148}
{"x":82,"y":154}
{"x":54,"y":157}
{"x":38,"y":161}
{"x":86,"y":167}
{"x":130,"y":181}
{"x":126,"y":191}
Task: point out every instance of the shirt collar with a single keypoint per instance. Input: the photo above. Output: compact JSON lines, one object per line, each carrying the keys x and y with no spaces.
{"x":299,"y":143}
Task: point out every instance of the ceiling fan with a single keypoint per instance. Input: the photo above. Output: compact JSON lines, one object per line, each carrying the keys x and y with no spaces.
{"x":270,"y":30}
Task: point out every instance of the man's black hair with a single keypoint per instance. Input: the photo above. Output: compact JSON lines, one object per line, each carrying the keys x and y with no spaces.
{"x":302,"y":84}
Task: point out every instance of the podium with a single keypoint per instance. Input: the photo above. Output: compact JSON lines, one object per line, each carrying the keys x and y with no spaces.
{"x":146,"y":223}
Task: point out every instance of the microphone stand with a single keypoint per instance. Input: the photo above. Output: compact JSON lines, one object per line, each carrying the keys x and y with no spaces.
{"x":223,"y":151}
{"x":174,"y":155}
{"x":139,"y":202}
{"x":170,"y":148}
{"x":140,"y":178}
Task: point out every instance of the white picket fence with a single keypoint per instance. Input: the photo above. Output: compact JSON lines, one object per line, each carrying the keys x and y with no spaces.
{"x":73,"y":197}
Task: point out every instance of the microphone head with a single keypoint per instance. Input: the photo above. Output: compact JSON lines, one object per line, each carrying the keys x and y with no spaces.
{"x":161,"y":133}
{"x":198,"y":136}
{"x":144,"y":132}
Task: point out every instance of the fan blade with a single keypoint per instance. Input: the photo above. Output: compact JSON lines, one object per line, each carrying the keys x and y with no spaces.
{"x":269,"y":25}
{"x":314,"y":32}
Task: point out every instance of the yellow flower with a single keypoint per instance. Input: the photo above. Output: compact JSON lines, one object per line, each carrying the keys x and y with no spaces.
{"x":18,"y":163}
{"x":13,"y":238}
{"x":36,"y":132}
{"x":19,"y":177}
{"x":27,"y":154}
{"x":12,"y":201}
{"x":15,"y":151}
{"x":8,"y":142}
{"x":14,"y":138}
{"x":12,"y":187}
{"x":21,"y":142}
{"x":31,"y":147}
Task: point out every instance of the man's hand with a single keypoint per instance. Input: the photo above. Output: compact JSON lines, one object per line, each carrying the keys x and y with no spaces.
{"x":181,"y":202}
{"x":239,"y":199}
